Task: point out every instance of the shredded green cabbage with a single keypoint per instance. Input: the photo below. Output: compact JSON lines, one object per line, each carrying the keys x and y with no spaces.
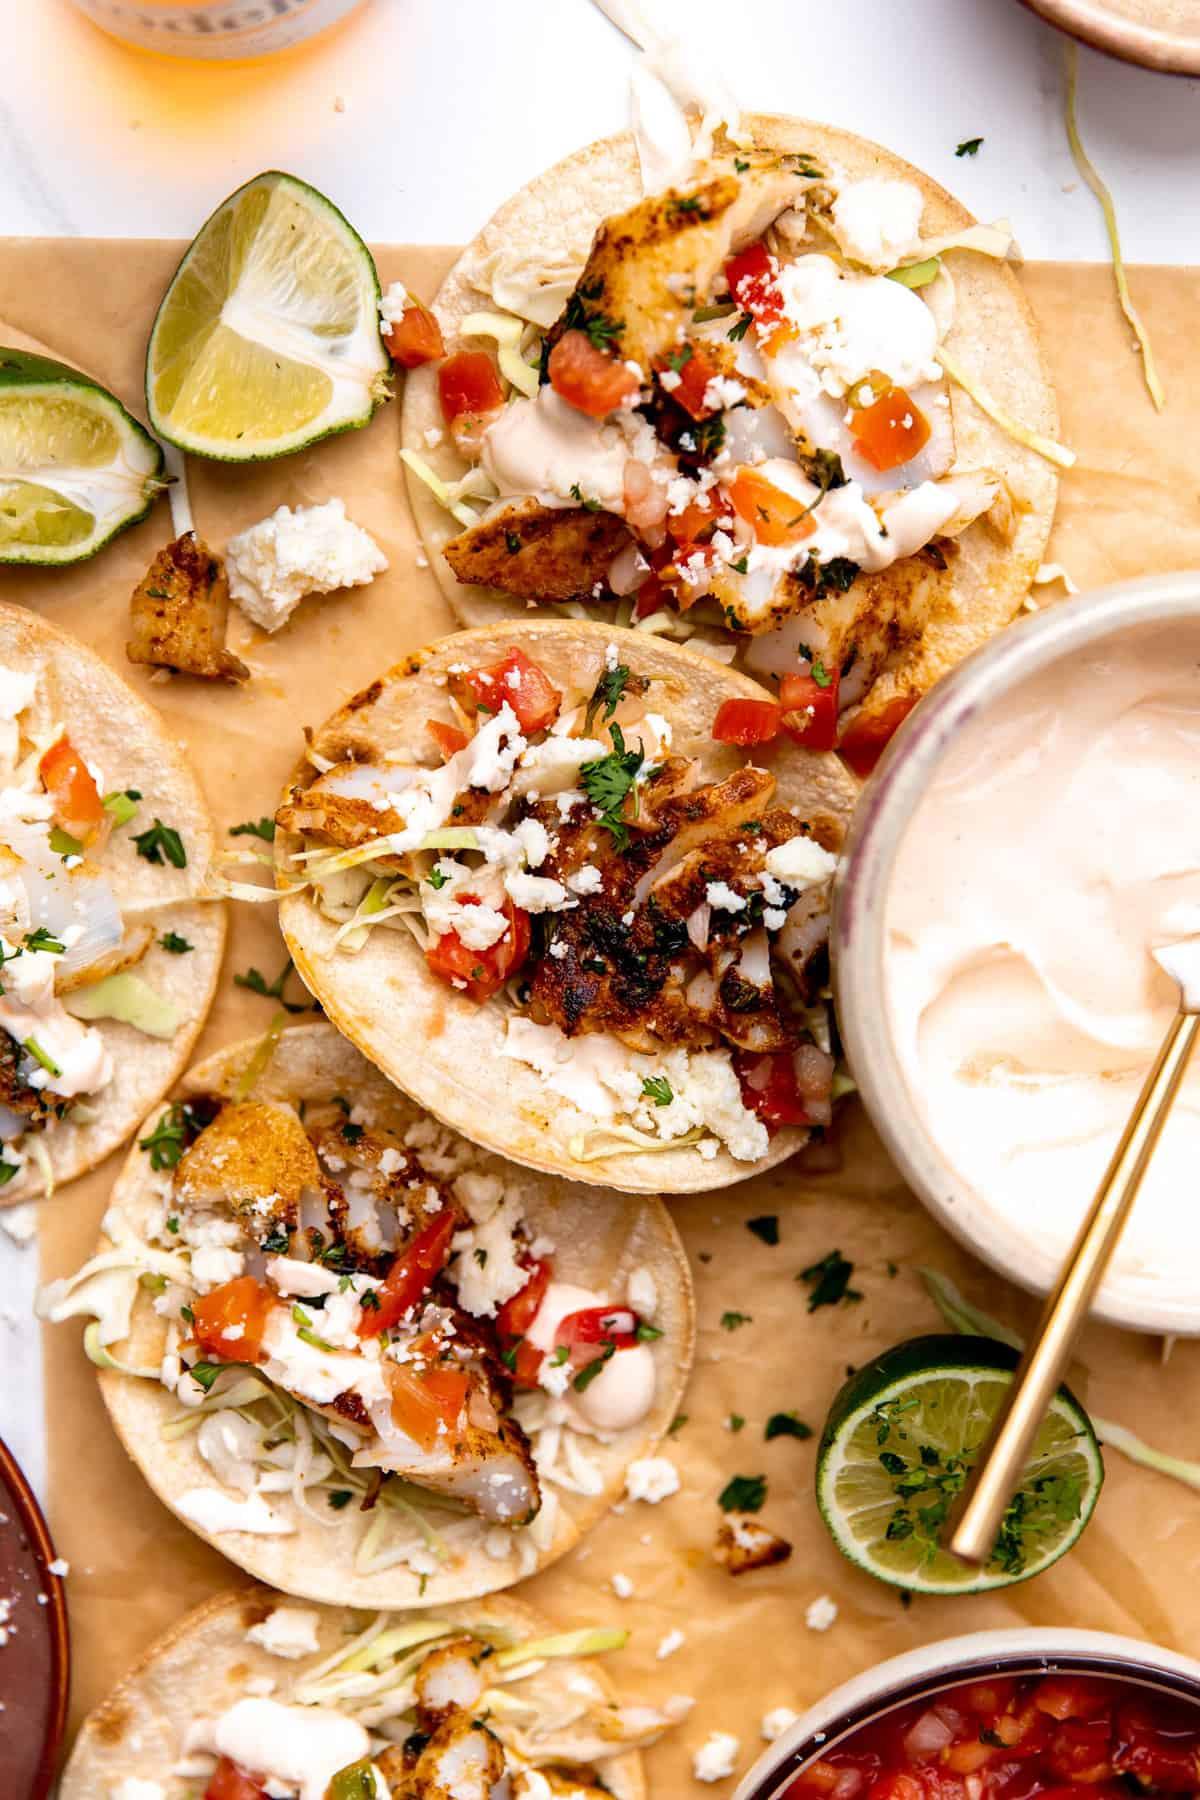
{"x":987,"y":403}
{"x":128,"y":999}
{"x":917,"y":275}
{"x":441,"y":490}
{"x":96,"y":1353}
{"x":1099,"y":187}
{"x":599,"y":1141}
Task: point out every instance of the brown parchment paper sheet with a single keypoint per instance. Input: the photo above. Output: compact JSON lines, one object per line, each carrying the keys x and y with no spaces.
{"x":1129,"y":508}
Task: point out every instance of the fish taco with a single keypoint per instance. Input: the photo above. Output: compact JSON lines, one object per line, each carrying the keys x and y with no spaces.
{"x":250,"y":1697}
{"x":108,"y":954}
{"x":534,"y":873}
{"x":364,"y":1360}
{"x":791,"y":408}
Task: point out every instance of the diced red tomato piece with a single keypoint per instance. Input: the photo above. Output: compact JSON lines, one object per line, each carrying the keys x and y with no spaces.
{"x":412,"y":1274}
{"x":652,"y":596}
{"x":753,"y":277}
{"x":425,"y":1398}
{"x":891,"y":431}
{"x":810,"y":708}
{"x":448,"y":738}
{"x":481,"y":973}
{"x":415,"y":337}
{"x":515,"y":681}
{"x":1072,"y":1697}
{"x":228,"y":1782}
{"x":596,"y":1332}
{"x":1080,"y":1749}
{"x":697,"y":522}
{"x":746,"y":722}
{"x":867,"y":737}
{"x":230,"y":1321}
{"x":589,"y":379}
{"x":516,"y":1315}
{"x":514,"y":1320}
{"x":774,"y":516}
{"x":695,"y":372}
{"x":469,"y":387}
{"x":768,"y":1085}
{"x":71,"y":786}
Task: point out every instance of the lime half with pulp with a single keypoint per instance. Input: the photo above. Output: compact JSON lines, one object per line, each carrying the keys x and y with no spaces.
{"x":268,"y":336}
{"x":75,"y":467}
{"x":902,"y":1435}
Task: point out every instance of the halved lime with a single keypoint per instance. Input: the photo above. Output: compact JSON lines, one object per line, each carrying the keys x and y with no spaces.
{"x":75,"y":467}
{"x":268,"y":336}
{"x":898,"y":1443}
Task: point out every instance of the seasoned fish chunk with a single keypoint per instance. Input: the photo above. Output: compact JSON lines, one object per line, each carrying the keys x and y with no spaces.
{"x":650,"y":266}
{"x":179,"y":612}
{"x":255,"y":1158}
{"x":539,"y":552}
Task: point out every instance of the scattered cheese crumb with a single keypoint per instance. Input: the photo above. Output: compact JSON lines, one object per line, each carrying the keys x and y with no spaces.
{"x":716,"y":1757}
{"x":622,"y":1587}
{"x":60,"y":1566}
{"x":776,"y":1722}
{"x":673,"y":1641}
{"x":821,"y":1614}
{"x":311,"y":550}
{"x":20,"y":1222}
{"x":651,"y":1478}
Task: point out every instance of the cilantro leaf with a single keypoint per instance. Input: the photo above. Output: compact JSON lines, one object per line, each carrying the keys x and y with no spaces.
{"x":159,"y":843}
{"x":178,"y":946}
{"x":766,"y":1227}
{"x":745,"y":1493}
{"x":658,"y":1089}
{"x":969,"y":147}
{"x":607,"y":693}
{"x":786,"y":1424}
{"x":732,"y":1321}
{"x":607,"y":782}
{"x":829,"y":1280}
{"x":257,"y":983}
{"x":260,"y":828}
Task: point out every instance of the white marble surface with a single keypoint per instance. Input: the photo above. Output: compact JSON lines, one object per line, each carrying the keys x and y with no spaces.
{"x":420,"y":116}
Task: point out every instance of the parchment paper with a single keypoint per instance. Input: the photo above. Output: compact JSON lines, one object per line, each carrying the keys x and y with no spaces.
{"x":1129,"y":508}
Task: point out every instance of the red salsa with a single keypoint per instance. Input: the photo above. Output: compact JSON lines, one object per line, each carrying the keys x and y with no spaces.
{"x":1054,"y":1736}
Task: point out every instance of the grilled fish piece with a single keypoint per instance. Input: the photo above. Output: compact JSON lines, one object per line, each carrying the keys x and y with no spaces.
{"x":179,"y":614}
{"x":539,"y":552}
{"x":649,"y":267}
{"x":254,"y":1160}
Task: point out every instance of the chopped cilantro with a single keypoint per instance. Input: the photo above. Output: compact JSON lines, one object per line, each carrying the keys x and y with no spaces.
{"x":7,"y":1171}
{"x":43,"y":939}
{"x":679,"y":359}
{"x":178,"y":946}
{"x":741,"y":565}
{"x":658,"y":1089}
{"x":368,"y":1300}
{"x":745,"y":1493}
{"x":589,"y":1372}
{"x":257,"y":983}
{"x":820,"y":673}
{"x":263,"y":828}
{"x":276,"y":1241}
{"x":731,"y":1321}
{"x":692,"y":204}
{"x":740,"y":164}
{"x":121,"y":805}
{"x":160,"y":843}
{"x":836,"y":576}
{"x":206,"y":1373}
{"x":512,"y":543}
{"x":765,"y":1227}
{"x":607,"y":693}
{"x":582,"y":499}
{"x":786,"y":1424}
{"x":607,"y":782}
{"x":740,"y":327}
{"x":829,"y":1280}
{"x":647,"y":1334}
{"x":167,"y":1142}
{"x":735,"y":1422}
{"x":480,"y":1256}
{"x":969,"y":147}
{"x":339,"y":1498}
{"x":677,"y":1424}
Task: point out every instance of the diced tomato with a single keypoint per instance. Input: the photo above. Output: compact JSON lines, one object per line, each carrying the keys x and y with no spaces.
{"x":652,"y":596}
{"x":810,"y":708}
{"x":1072,"y":1697}
{"x":517,"y":1314}
{"x":415,"y":337}
{"x":71,"y":786}
{"x":695,"y":372}
{"x":988,"y":1697}
{"x":753,"y":277}
{"x":891,"y":431}
{"x":698,"y":520}
{"x":514,"y":680}
{"x":867,"y":737}
{"x":228,"y":1782}
{"x":596,"y":1333}
{"x":589,"y":379}
{"x":481,"y":973}
{"x":231,"y":1320}
{"x":1080,"y":1748}
{"x":412,"y":1274}
{"x":768,"y":1085}
{"x":469,"y":386}
{"x":425,"y":1398}
{"x":1158,"y":1751}
{"x":774,"y":516}
{"x":448,"y":738}
{"x":513,"y":1322}
{"x":746,"y":722}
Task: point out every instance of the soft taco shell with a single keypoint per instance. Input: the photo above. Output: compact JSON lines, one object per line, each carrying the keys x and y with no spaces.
{"x":598,"y":1239}
{"x":437,"y":1044}
{"x":129,"y":744}
{"x":994,"y":337}
{"x":205,"y":1663}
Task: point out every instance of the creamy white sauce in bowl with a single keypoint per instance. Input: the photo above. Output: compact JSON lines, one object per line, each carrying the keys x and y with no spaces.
{"x":1031,"y":840}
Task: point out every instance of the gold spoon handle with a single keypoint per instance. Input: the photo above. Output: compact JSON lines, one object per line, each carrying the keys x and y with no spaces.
{"x":976,"y":1518}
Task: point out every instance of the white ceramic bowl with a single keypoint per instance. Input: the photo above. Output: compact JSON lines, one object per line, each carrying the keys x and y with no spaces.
{"x":1164,"y":1300}
{"x":976,"y":1657}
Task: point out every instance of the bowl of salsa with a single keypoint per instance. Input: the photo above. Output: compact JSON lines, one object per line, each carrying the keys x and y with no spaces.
{"x":1000,"y":1715}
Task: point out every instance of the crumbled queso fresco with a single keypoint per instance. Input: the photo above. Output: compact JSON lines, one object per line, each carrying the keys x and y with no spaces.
{"x":309,"y":550}
{"x":717,"y":1756}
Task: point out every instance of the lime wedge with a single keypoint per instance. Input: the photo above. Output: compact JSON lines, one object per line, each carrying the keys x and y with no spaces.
{"x":899,"y":1440}
{"x":75,"y":468}
{"x":268,"y":336}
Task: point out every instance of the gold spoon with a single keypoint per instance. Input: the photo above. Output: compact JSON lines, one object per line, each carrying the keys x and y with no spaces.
{"x":975,"y":1519}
